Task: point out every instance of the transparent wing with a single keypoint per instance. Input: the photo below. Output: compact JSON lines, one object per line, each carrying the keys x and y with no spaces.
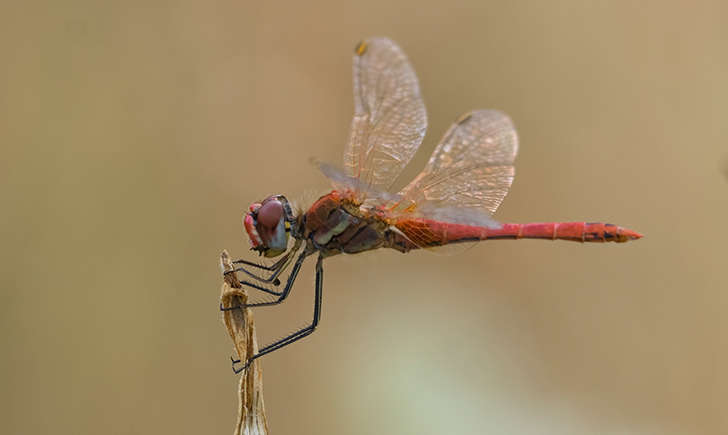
{"x":469,"y":172}
{"x":389,"y":115}
{"x":366,"y":193}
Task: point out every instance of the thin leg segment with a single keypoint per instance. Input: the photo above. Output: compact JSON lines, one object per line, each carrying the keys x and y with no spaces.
{"x":277,"y":268}
{"x":281,"y":296}
{"x":298,"y":334}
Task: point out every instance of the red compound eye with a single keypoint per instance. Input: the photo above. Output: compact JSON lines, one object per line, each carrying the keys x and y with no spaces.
{"x":270,"y":214}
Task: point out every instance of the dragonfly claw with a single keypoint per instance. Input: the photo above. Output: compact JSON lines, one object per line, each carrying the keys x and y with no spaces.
{"x":236,"y":361}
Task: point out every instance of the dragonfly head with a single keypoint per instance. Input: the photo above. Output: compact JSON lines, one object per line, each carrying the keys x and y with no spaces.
{"x":268,"y":224}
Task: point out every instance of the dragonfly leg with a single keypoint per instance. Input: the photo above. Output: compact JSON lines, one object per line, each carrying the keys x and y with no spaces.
{"x":258,"y":287}
{"x":235,"y":361}
{"x":274,"y":266}
{"x":277,"y":268}
{"x":254,"y":286}
{"x":281,"y":295}
{"x":298,"y":334}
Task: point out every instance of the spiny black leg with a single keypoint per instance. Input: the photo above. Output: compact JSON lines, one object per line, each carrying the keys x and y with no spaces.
{"x":259,"y":266}
{"x":296,"y":335}
{"x":272,"y":278}
{"x":255,"y":287}
{"x":278,"y":267}
{"x":274,"y":266}
{"x":281,"y":296}
{"x":283,"y":267}
{"x":235,"y":361}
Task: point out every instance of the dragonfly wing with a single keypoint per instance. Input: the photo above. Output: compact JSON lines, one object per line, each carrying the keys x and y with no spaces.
{"x":469,"y":172}
{"x":343,"y":181}
{"x":389,"y":114}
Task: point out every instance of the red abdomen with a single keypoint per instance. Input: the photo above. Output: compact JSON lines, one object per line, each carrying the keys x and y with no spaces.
{"x":420,"y":233}
{"x":574,"y":231}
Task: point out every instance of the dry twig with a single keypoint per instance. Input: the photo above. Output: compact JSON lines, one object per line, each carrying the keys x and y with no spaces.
{"x":241,"y":327}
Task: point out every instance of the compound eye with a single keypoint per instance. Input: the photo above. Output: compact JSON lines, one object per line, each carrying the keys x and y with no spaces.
{"x":270,"y":213}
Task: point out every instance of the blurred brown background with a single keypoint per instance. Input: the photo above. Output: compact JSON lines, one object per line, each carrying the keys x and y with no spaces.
{"x":134,"y":135}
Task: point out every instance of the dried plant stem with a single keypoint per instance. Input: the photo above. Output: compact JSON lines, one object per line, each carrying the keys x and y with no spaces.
{"x":241,"y":327}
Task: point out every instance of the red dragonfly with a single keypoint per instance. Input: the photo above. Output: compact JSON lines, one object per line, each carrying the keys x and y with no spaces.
{"x":451,"y":201}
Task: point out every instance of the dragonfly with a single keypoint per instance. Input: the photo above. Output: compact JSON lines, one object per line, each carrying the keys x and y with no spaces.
{"x":451,"y":201}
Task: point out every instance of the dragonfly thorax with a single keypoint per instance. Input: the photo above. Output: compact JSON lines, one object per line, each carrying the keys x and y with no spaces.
{"x":268,"y":224}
